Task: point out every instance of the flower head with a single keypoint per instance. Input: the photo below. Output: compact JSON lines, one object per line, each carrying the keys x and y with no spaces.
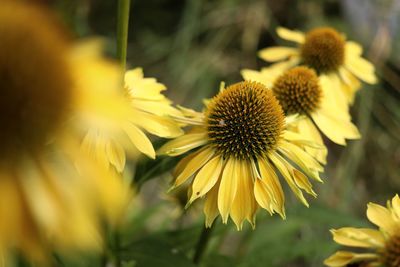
{"x":328,"y":53}
{"x":51,"y":194}
{"x":149,"y":110}
{"x":383,"y":245}
{"x":241,"y":144}
{"x":321,"y":105}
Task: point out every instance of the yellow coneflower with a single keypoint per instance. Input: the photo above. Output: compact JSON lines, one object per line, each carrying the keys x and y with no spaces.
{"x":51,"y":194}
{"x":300,"y":91}
{"x":326,"y":51}
{"x":383,"y":245}
{"x":150,"y":110}
{"x":241,"y":142}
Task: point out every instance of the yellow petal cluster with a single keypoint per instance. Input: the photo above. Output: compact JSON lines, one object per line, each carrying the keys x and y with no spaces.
{"x":381,"y":245}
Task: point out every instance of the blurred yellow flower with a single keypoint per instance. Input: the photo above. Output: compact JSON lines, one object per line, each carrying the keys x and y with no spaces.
{"x":300,"y":91}
{"x":383,"y":245}
{"x":241,"y":142}
{"x":150,"y":110}
{"x":51,"y":193}
{"x":326,"y":51}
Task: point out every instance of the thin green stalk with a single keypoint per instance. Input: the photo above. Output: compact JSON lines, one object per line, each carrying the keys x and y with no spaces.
{"x":122,"y":31}
{"x":202,"y":244}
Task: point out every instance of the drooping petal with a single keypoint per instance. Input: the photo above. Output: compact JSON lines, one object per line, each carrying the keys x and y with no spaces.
{"x":273,"y":185}
{"x":194,"y":165}
{"x":350,"y":84}
{"x":294,"y":36}
{"x":206,"y":178}
{"x":333,"y":99}
{"x":116,"y":155}
{"x":211,"y":205}
{"x":228,"y":188}
{"x":282,"y":166}
{"x":243,"y":206}
{"x":139,"y":139}
{"x":307,"y":129}
{"x":263,"y":196}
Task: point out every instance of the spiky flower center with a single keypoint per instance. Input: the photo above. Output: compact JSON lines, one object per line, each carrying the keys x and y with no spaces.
{"x":35,"y":82}
{"x":391,"y":253}
{"x":298,"y":90}
{"x":245,"y":121}
{"x":323,"y":50}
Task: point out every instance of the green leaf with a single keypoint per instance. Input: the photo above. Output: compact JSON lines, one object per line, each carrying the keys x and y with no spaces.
{"x":165,"y":249}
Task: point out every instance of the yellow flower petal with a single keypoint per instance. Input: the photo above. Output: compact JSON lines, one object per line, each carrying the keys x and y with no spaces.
{"x":381,"y":217}
{"x":139,"y":139}
{"x":210,"y":205}
{"x":271,"y":181}
{"x":350,"y":84}
{"x":396,"y":205}
{"x":228,"y":188}
{"x":143,"y":88}
{"x":206,"y":178}
{"x":183,"y":144}
{"x":287,"y":173}
{"x":333,"y":99}
{"x":343,"y":258}
{"x":302,"y":182}
{"x":183,"y":162}
{"x":335,"y":130}
{"x":160,"y":107}
{"x":272,"y":54}
{"x":359,"y":237}
{"x":244,"y":205}
{"x":256,"y":76}
{"x":116,"y":155}
{"x":194,"y":165}
{"x":157,"y":125}
{"x":294,"y":36}
{"x":262,"y":195}
{"x":353,"y":49}
{"x":362,"y":68}
{"x":301,"y":158}
{"x":307,"y":129}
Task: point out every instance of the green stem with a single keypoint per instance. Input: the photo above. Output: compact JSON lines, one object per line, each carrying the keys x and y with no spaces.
{"x":202,"y":244}
{"x":122,"y":31}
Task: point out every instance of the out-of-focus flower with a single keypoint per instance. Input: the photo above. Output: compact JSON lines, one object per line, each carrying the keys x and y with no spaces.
{"x":320,"y":105}
{"x":326,"y":51}
{"x":241,"y":143}
{"x":150,"y":110}
{"x":383,"y":245}
{"x":51,"y":193}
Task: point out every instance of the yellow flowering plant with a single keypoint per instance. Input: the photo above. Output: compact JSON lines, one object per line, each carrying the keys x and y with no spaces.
{"x":101,"y":165}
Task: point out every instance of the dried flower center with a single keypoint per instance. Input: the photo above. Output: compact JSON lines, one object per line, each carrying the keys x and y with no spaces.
{"x":298,"y":90}
{"x":391,"y":254}
{"x":245,"y":121}
{"x":323,"y":50}
{"x":35,"y":82}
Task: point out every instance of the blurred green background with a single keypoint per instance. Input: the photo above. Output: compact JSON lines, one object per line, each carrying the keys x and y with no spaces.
{"x":191,"y":46}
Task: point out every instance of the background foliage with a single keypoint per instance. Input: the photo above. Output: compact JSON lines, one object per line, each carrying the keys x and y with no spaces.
{"x":191,"y":46}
